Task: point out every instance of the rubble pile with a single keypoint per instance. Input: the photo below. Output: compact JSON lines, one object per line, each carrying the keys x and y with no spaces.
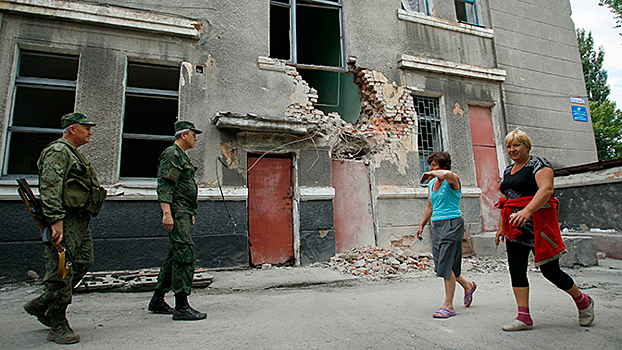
{"x":484,"y":264}
{"x":132,"y":281}
{"x":377,"y":263}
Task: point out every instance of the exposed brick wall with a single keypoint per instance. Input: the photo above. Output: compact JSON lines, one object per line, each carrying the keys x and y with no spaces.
{"x":387,"y":115}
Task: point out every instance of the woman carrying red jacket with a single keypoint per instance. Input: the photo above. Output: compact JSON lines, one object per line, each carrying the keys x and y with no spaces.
{"x":530,"y":223}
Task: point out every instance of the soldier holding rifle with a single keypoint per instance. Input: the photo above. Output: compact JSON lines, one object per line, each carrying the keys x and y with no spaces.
{"x":70,"y":195}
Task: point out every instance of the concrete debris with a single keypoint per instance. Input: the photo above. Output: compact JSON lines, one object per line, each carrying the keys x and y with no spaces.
{"x":581,"y":250}
{"x":484,"y":264}
{"x":32,"y":274}
{"x":133,"y":281}
{"x":376,"y":263}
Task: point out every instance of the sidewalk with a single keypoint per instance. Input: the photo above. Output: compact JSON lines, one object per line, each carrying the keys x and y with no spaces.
{"x":317,"y":308}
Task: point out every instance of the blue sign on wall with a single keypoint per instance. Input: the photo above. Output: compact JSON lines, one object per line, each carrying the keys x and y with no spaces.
{"x":579,"y":113}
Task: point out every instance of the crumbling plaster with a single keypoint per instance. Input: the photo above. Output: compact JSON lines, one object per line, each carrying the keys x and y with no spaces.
{"x":385,"y":130}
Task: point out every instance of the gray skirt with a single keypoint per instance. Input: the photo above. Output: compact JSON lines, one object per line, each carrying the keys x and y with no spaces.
{"x":447,"y":238}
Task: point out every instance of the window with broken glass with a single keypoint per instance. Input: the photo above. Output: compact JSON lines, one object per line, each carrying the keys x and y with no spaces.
{"x":308,"y":34}
{"x":422,"y":6}
{"x":429,"y":129}
{"x":466,"y":11}
{"x":151,"y":109}
{"x":44,"y":91}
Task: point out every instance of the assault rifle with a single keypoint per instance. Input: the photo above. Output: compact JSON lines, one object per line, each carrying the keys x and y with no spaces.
{"x":65,"y":258}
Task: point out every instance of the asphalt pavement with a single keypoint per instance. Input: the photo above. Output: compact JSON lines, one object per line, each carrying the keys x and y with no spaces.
{"x":318,"y":308}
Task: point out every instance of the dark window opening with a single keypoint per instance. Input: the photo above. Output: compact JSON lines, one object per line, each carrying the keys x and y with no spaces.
{"x":150,"y":115}
{"x":279,"y":32}
{"x":149,"y":76}
{"x":50,"y":66}
{"x":45,"y":89}
{"x":306,"y":32}
{"x":318,"y":33}
{"x":429,"y":137}
{"x":466,"y":11}
{"x":41,"y":107}
{"x":336,"y":93}
{"x":151,"y":109}
{"x":140,"y":157}
{"x":25,"y":151}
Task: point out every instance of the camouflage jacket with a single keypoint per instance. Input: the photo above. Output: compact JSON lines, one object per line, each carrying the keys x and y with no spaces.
{"x":62,"y":170}
{"x":176,"y":183}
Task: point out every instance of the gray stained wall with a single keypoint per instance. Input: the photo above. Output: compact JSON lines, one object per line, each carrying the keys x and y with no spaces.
{"x":221,"y":70}
{"x":535,"y":42}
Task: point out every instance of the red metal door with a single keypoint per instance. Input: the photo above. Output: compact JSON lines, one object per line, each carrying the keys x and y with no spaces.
{"x":270,"y":210}
{"x":486,"y":166}
{"x":354,"y":225}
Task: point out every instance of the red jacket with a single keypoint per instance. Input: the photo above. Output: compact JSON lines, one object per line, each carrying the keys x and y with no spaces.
{"x":549,"y":244}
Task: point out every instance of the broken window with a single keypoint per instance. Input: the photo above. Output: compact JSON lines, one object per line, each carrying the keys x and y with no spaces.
{"x":45,"y":89}
{"x":429,"y":129}
{"x":151,"y":108}
{"x":306,"y":31}
{"x":466,"y":11}
{"x":422,"y":6}
{"x":336,"y":93}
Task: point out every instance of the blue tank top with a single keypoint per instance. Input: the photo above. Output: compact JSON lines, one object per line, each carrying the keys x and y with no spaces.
{"x":445,"y":201}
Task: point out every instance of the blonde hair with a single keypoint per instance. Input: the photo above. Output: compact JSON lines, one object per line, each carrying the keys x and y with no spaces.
{"x":519,"y":135}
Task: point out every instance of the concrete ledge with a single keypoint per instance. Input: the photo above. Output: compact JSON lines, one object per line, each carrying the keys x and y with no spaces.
{"x":451,"y":68}
{"x":608,"y":243}
{"x":581,"y":251}
{"x":107,"y":15}
{"x":465,"y":28}
{"x":484,"y":245}
{"x":402,"y":192}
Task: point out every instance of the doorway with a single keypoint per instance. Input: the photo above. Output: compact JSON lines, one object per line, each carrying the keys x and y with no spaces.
{"x":270,"y":224}
{"x":486,"y":165}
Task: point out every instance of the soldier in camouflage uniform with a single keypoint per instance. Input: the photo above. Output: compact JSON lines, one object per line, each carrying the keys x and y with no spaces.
{"x":177,"y":194}
{"x":70,"y":195}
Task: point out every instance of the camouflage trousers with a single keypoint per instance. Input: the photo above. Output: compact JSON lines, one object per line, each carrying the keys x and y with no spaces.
{"x":177,"y":270}
{"x":57,"y":292}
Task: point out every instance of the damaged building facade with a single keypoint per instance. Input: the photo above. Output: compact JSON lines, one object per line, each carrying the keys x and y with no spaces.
{"x":318,"y":115}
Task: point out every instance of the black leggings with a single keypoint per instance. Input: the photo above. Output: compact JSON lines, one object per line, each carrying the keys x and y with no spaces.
{"x":518,"y":255}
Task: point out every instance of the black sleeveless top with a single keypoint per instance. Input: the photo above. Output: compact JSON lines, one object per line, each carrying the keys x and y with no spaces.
{"x":523,"y":184}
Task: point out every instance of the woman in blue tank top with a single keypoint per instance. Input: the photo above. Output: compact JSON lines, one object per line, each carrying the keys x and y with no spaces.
{"x":445,"y":192}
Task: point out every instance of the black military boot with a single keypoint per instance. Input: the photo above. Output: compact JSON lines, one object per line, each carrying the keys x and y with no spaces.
{"x":183,"y":311}
{"x":60,"y":332}
{"x":38,"y":307}
{"x":158,"y":305}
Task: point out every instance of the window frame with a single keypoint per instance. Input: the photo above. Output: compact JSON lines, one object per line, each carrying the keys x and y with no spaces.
{"x":144,"y":92}
{"x":33,"y":82}
{"x":426,"y":4}
{"x":293,"y":47}
{"x":475,"y":13}
{"x":439,"y":124}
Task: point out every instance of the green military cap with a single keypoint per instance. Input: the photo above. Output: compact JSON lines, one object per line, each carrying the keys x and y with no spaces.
{"x":74,"y":118}
{"x":186,"y":125}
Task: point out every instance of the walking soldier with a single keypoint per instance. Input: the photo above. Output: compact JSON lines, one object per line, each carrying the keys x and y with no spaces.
{"x":70,"y":195}
{"x":177,"y":194}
